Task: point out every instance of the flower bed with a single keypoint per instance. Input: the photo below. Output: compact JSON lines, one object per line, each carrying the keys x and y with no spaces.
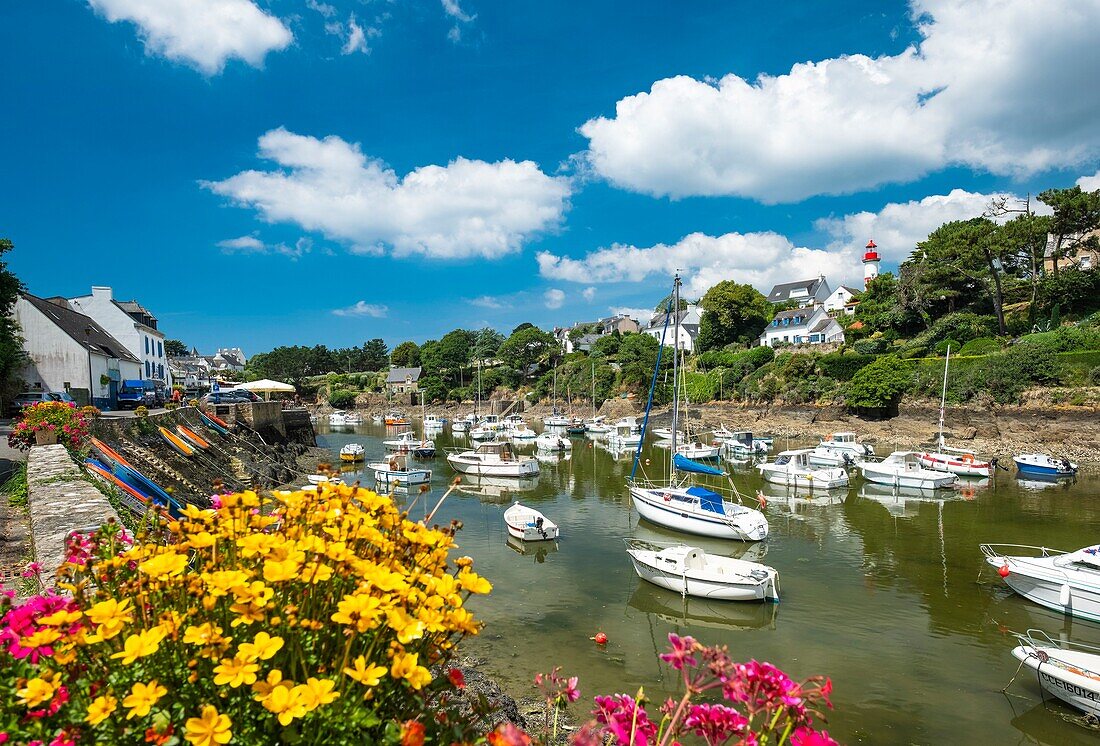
{"x":61,"y":419}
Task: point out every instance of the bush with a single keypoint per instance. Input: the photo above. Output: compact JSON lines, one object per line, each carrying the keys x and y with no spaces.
{"x":141,"y":411}
{"x":941,"y":348}
{"x":869,"y":346}
{"x":963,"y":326}
{"x":308,"y":626}
{"x":979,"y":346}
{"x":842,"y":367}
{"x":701,"y":387}
{"x":1094,"y":376}
{"x":880,"y":384}
{"x":341,"y":398}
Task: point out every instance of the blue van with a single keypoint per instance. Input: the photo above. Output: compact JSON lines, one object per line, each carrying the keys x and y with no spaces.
{"x":135,"y":393}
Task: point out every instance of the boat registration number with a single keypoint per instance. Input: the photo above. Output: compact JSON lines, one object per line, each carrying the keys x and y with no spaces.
{"x":1073,"y":689}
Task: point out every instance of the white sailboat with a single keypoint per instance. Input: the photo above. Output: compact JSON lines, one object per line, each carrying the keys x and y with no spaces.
{"x":556,"y":418}
{"x":962,"y":461}
{"x":683,"y":506}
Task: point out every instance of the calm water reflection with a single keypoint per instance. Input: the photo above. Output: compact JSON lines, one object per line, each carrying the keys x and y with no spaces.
{"x":881,"y":591}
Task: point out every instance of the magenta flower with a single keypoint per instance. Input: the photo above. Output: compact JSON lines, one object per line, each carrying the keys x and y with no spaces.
{"x":715,"y":723}
{"x":680,"y":652}
{"x":810,"y":737}
{"x":623,"y":718}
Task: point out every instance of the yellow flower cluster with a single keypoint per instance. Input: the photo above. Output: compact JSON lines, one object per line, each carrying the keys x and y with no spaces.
{"x":307,"y":602}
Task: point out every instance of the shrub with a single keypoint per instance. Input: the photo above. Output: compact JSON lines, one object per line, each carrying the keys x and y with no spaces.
{"x":341,"y":398}
{"x":62,"y":418}
{"x":963,"y":326}
{"x":1094,"y":376}
{"x":869,"y":346}
{"x":171,"y":405}
{"x":880,"y":384}
{"x":941,"y":348}
{"x":321,"y":619}
{"x":842,"y":367}
{"x":89,"y":412}
{"x":979,"y":346}
{"x":141,"y":411}
{"x":701,"y":387}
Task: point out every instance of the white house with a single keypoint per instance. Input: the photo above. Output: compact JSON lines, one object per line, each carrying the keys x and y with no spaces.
{"x":802,"y":326}
{"x":802,"y":292}
{"x":689,"y":328}
{"x":839,"y":301}
{"x":68,"y":351}
{"x":133,"y":325}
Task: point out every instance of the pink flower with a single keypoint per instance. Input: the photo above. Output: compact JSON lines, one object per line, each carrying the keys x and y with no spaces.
{"x":32,"y":569}
{"x":715,"y":723}
{"x":623,"y":718}
{"x":680,"y":652}
{"x":810,"y":737}
{"x":216,"y":501}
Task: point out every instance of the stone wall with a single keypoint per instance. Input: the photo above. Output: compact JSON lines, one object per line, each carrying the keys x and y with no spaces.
{"x":60,"y":502}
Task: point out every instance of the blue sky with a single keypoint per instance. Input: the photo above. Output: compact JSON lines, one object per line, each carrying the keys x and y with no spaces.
{"x":285,"y":172}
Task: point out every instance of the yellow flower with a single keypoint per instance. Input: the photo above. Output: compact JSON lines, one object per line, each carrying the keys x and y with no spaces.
{"x":235,"y":672}
{"x":407,"y":628}
{"x":222,"y":582}
{"x":472,"y":582}
{"x":201,"y":540}
{"x":359,"y":609}
{"x":61,"y":618}
{"x":262,"y":647}
{"x":140,"y":645}
{"x":36,"y":692}
{"x":253,"y":544}
{"x":164,"y":565}
{"x":262,"y":689}
{"x":100,"y":709}
{"x":246,"y":614}
{"x":142,"y":697}
{"x":195,"y":513}
{"x":276,"y":571}
{"x":286,"y":703}
{"x":209,"y":729}
{"x":40,"y":638}
{"x":111,"y":616}
{"x":405,"y":667}
{"x":317,"y":692}
{"x":364,"y":674}
{"x":204,"y":634}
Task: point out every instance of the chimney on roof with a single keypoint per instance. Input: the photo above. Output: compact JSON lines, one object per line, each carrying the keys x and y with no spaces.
{"x":102,"y":292}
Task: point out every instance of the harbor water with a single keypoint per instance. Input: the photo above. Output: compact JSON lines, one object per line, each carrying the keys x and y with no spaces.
{"x":884,"y":592}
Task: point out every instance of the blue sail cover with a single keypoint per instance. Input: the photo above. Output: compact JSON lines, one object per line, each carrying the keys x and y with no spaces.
{"x":683,"y":463}
{"x":708,"y":500}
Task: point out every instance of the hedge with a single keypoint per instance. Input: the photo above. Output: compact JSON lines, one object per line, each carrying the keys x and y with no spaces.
{"x":842,"y":367}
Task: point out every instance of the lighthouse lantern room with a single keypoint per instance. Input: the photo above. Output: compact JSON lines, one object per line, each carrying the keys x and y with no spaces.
{"x":870,"y":262}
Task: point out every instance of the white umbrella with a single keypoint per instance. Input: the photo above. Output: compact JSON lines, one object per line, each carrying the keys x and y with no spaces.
{"x":267,"y":387}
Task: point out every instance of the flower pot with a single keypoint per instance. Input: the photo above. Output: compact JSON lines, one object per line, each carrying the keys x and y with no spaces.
{"x":45,"y":437}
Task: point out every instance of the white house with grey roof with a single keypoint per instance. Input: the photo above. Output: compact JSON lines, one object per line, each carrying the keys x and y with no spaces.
{"x":841,"y":300}
{"x":812,"y":325}
{"x":68,"y":351}
{"x":689,"y":320}
{"x":802,"y":292}
{"x":131,"y":324}
{"x":403,"y":380}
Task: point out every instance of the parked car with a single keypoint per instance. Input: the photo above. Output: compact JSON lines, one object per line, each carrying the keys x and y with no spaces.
{"x":160,"y":393}
{"x":230,"y":396}
{"x":134,"y":393}
{"x":28,"y":398}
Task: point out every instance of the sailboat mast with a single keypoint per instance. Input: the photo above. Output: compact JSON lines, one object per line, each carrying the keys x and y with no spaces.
{"x":675,"y":372}
{"x":477,"y":401}
{"x":943,"y":394}
{"x":593,"y":389}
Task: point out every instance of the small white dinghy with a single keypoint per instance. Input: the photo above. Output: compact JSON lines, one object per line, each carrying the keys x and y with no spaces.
{"x":324,"y":479}
{"x":1070,"y":671}
{"x":528,"y":524}
{"x":552,"y":442}
{"x":692,"y":572}
{"x":352,"y":452}
{"x":396,"y":470}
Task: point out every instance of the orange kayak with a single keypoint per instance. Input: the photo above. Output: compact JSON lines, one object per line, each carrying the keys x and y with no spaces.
{"x":109,"y":452}
{"x":192,"y":437}
{"x":178,"y":444}
{"x":218,"y":420}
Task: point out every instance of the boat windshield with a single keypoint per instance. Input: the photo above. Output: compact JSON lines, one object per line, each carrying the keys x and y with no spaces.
{"x":782,"y":459}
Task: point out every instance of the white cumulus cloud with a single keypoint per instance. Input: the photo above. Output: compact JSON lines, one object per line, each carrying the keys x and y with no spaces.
{"x":362,"y":308}
{"x":202,"y":33}
{"x":990,"y":86}
{"x":468,"y":208}
{"x":488,"y":301}
{"x":1090,"y":183}
{"x":554,"y":298}
{"x":253,"y":245}
{"x":589,"y":293}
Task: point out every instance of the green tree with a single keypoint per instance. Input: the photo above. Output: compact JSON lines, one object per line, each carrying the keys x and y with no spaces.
{"x":12,"y":355}
{"x":454,"y":350}
{"x":174,"y":348}
{"x":430,"y":358}
{"x":880,"y":309}
{"x":880,"y":384}
{"x":1076,"y":214}
{"x":487,"y":343}
{"x":732,"y":312}
{"x":662,"y":307}
{"x":526,"y":347}
{"x":374,"y":356}
{"x":405,"y":355}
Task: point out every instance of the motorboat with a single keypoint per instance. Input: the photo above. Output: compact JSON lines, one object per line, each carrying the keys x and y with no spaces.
{"x":324,"y":479}
{"x":513,"y":422}
{"x":697,"y":450}
{"x":699,"y":510}
{"x":596,"y":426}
{"x":576,"y":427}
{"x":487,"y":428}
{"x":1067,"y":582}
{"x":1040,"y":464}
{"x":529,"y":524}
{"x":1068,"y":670}
{"x":522,"y":432}
{"x":552,"y":442}
{"x":340,"y":418}
{"x":794,"y":468}
{"x":351,"y":452}
{"x":493,"y":459}
{"x":627,"y":432}
{"x":741,"y":442}
{"x":395,"y":418}
{"x":376,"y":419}
{"x":665,"y":433}
{"x":690,"y":571}
{"x":464,"y":424}
{"x":556,"y":420}
{"x":848,"y":442}
{"x":407,"y":442}
{"x":835,"y":457}
{"x":396,"y":470}
{"x":434,"y":422}
{"x":903,"y":469}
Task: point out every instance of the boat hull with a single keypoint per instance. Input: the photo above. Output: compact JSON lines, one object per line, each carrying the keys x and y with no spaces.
{"x":697,"y":587}
{"x":1050,"y":589}
{"x":653,"y":506}
{"x":956,"y":464}
{"x":903,"y":479}
{"x":526,"y":524}
{"x":799,"y":478}
{"x":494,"y":469}
{"x":178,"y":444}
{"x":410,"y":477}
{"x":1079,"y":691}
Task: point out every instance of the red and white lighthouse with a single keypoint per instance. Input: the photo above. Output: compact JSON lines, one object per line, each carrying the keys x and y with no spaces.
{"x":870,"y":262}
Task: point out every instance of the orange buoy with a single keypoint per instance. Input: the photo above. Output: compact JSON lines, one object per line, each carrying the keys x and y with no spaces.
{"x":600,"y":638}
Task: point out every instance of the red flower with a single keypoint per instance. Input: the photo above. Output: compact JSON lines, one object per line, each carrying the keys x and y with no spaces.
{"x":507,"y":734}
{"x":412,"y":733}
{"x":458,"y":681}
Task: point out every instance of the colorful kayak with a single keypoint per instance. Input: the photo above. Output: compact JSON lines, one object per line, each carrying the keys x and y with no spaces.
{"x":132,"y":498}
{"x":209,"y":422}
{"x":192,"y":437}
{"x":109,"y":452}
{"x":177,"y":443}
{"x":215,"y":419}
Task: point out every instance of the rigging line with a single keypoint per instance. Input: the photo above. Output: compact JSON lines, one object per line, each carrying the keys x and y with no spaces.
{"x":652,"y":387}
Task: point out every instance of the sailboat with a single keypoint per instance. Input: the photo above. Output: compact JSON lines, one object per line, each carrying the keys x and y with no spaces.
{"x":962,"y":461}
{"x":595,"y":425}
{"x":677,"y":503}
{"x":693,"y":447}
{"x":556,"y":418}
